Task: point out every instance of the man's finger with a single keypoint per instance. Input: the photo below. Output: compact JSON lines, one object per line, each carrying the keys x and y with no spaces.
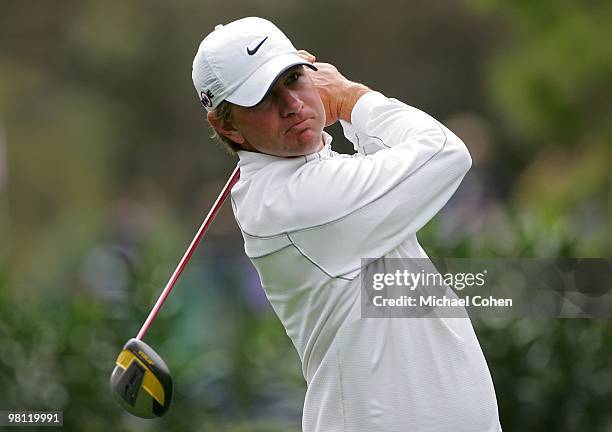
{"x":307,"y":56}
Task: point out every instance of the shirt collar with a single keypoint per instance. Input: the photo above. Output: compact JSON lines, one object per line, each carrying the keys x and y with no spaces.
{"x":251,"y":162}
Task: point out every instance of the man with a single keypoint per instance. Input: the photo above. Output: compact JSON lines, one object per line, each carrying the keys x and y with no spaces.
{"x":308,"y":215}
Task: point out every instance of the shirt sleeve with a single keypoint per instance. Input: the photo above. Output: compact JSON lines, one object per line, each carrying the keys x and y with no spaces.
{"x":367,"y":205}
{"x":362,"y":144}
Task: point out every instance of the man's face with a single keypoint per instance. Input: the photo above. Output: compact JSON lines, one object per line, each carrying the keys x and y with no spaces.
{"x":287,"y":122}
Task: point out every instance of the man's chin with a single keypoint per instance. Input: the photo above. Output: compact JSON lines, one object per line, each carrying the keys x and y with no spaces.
{"x":310,"y":142}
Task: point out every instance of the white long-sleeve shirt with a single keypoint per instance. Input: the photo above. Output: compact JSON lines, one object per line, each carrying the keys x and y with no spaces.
{"x":308,"y":221}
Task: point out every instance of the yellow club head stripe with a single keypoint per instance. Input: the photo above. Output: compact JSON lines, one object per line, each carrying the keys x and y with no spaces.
{"x":150,"y":383}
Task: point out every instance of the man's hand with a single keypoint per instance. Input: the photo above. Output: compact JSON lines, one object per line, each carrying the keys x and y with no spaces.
{"x":338,"y":94}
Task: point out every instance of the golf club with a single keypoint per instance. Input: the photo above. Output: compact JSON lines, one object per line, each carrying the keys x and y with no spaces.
{"x":141,"y":381}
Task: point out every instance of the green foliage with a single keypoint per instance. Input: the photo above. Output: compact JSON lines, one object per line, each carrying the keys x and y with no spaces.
{"x":554,"y":79}
{"x":110,"y":170}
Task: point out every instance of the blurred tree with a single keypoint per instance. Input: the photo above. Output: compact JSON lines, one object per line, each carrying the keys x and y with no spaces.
{"x":553,"y":82}
{"x":553,"y":79}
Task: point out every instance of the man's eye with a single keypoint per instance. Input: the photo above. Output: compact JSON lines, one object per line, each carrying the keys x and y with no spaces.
{"x":294,"y":76}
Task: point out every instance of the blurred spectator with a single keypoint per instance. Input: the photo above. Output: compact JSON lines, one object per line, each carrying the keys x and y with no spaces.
{"x":476,"y":211}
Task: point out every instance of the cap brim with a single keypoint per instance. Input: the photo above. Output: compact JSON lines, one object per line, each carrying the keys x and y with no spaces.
{"x":253,"y":90}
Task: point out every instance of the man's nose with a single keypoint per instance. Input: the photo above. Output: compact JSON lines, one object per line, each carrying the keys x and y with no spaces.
{"x":290,"y":102}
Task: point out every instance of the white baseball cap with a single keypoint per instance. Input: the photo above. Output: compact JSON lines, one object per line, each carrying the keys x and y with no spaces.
{"x":240,"y":61}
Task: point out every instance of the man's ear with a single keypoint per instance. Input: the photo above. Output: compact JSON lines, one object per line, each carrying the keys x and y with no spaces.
{"x":225,"y":128}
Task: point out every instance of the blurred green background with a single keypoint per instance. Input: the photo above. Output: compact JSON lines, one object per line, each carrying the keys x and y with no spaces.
{"x":106,"y":171}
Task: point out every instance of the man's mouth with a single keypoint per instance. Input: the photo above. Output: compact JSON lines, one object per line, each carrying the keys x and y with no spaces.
{"x":296,"y":125}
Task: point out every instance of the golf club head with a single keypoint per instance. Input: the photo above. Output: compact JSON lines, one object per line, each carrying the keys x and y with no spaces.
{"x":141,"y":381}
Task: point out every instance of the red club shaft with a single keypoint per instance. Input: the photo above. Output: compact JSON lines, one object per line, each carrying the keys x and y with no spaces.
{"x":194,"y":244}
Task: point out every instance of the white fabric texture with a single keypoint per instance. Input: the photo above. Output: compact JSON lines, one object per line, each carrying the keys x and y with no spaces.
{"x":308,"y":221}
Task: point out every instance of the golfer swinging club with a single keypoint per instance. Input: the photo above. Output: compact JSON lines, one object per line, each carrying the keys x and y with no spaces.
{"x":308,"y":215}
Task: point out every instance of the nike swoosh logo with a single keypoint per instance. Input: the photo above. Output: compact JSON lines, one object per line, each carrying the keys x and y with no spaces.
{"x":254,"y":50}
